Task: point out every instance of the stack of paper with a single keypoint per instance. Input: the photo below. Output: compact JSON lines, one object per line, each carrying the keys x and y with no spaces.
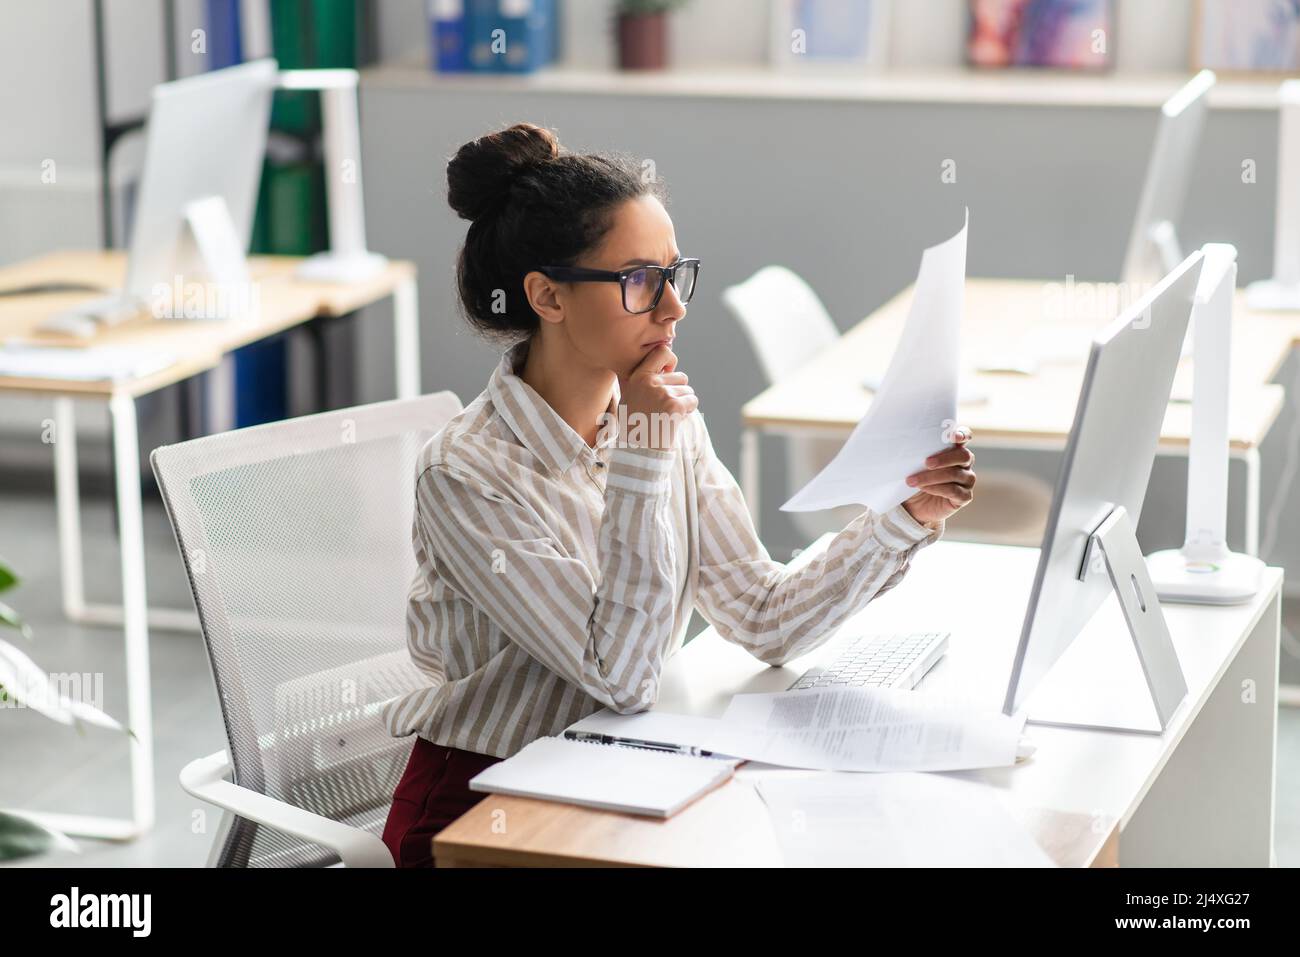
{"x":894,"y":820}
{"x":839,"y":728}
{"x":843,"y":728}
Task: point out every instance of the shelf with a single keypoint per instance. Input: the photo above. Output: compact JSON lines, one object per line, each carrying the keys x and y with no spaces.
{"x":1013,"y":88}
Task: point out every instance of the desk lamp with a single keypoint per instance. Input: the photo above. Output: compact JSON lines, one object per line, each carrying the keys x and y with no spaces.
{"x":1204,"y":571}
{"x":347,"y":259}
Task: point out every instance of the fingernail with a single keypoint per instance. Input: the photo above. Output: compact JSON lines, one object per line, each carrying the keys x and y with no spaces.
{"x":911,"y":480}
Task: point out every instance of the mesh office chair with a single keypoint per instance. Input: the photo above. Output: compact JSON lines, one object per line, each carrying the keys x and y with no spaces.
{"x":296,"y":540}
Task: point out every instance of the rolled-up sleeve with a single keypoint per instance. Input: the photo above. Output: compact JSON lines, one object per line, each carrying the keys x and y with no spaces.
{"x":606,"y":637}
{"x":774,"y":612}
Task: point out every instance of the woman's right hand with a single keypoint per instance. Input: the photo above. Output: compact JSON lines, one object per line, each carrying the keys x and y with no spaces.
{"x":657,"y":398}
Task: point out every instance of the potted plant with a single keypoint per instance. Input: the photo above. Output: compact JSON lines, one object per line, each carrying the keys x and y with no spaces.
{"x":643,"y":33}
{"x":22,"y":681}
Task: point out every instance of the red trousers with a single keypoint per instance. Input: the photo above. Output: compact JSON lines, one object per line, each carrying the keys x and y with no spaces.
{"x":433,"y":792}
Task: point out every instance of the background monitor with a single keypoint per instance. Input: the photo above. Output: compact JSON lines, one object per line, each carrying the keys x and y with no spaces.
{"x":206,"y":140}
{"x":1153,"y":248}
{"x":204,"y":146}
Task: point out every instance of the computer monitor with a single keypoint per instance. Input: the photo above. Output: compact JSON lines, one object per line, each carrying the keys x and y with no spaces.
{"x":1153,"y":248}
{"x":206,"y":141}
{"x":205,"y":144}
{"x":1105,"y":468}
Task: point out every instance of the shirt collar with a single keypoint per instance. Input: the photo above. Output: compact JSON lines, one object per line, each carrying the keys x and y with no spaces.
{"x":538,"y":427}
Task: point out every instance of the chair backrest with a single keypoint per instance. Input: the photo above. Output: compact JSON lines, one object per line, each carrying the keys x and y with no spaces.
{"x":783,"y":319}
{"x":787,"y":325}
{"x":296,"y":538}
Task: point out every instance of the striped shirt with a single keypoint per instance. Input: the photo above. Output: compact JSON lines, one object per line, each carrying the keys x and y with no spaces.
{"x":555,"y":579}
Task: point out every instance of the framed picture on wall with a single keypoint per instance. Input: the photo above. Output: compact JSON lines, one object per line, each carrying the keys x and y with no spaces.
{"x":1247,"y":37}
{"x":1051,"y":34}
{"x":834,"y":35}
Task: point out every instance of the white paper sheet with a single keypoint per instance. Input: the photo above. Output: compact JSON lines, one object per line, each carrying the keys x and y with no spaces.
{"x":864,"y":729}
{"x":894,"y":820}
{"x":915,"y":410}
{"x":91,"y":363}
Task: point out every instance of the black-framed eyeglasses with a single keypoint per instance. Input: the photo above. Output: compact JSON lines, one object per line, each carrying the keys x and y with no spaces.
{"x":642,"y":286}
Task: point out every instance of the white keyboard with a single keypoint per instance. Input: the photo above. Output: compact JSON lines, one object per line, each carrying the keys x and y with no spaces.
{"x":879,"y":661}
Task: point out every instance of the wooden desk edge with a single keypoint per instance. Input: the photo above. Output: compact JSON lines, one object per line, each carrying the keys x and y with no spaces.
{"x":991,"y":436}
{"x":330,"y":300}
{"x":1061,"y":834}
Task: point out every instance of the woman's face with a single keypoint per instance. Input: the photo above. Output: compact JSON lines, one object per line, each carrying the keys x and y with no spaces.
{"x":592,"y":317}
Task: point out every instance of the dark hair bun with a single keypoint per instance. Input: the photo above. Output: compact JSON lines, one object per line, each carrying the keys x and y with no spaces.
{"x":529,"y":203}
{"x":479,"y":175}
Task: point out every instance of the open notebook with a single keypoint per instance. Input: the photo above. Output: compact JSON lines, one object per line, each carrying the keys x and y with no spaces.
{"x":614,"y":777}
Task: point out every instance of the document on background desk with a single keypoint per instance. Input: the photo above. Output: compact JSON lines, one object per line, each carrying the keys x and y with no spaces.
{"x":89,"y":364}
{"x":915,"y":408}
{"x":864,"y":729}
{"x":894,"y":820}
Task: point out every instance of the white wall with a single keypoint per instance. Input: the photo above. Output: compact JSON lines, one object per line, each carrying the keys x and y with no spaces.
{"x":49,"y":115}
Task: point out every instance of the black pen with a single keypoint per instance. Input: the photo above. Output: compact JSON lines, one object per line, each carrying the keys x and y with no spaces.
{"x":600,"y":738}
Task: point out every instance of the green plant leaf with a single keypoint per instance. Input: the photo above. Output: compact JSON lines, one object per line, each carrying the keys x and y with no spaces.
{"x":7,"y":577}
{"x":22,"y":837}
{"x":24,"y":681}
{"x":11,"y":619}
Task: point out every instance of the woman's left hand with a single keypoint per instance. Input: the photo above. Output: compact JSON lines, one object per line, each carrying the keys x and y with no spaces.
{"x":946,"y":484}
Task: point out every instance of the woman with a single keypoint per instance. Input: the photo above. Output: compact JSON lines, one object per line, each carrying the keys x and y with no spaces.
{"x":569,"y":519}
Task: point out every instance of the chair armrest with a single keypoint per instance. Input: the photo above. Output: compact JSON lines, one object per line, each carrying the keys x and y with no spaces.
{"x":204,"y":778}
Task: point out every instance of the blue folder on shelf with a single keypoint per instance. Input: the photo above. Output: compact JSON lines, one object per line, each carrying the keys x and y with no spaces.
{"x":447,"y":23}
{"x":509,"y":36}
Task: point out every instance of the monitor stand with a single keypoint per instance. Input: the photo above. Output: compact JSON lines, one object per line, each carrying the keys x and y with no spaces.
{"x":212,"y":279}
{"x":220,"y":251}
{"x":1095,"y":683}
{"x":209,"y":248}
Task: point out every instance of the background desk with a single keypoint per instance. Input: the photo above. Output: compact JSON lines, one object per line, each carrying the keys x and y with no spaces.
{"x":1200,"y":794}
{"x":198,"y":345}
{"x":1005,"y":318}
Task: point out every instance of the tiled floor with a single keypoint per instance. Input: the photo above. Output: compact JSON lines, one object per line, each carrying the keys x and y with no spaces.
{"x":50,"y":767}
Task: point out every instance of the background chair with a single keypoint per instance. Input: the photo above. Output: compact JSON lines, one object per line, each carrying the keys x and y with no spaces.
{"x":787,"y":324}
{"x":296,"y":538}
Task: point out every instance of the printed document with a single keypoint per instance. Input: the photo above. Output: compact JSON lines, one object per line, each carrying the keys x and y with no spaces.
{"x":914,"y":412}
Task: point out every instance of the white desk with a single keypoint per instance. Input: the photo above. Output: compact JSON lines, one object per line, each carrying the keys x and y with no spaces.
{"x":1200,"y":794}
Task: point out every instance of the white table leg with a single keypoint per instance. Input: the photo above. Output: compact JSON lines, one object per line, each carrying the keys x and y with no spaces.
{"x":406,"y":337}
{"x":135,"y":619}
{"x":219,"y":397}
{"x":126,"y":464}
{"x":67,"y":499}
{"x":1214,"y":801}
{"x":749,"y":439}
